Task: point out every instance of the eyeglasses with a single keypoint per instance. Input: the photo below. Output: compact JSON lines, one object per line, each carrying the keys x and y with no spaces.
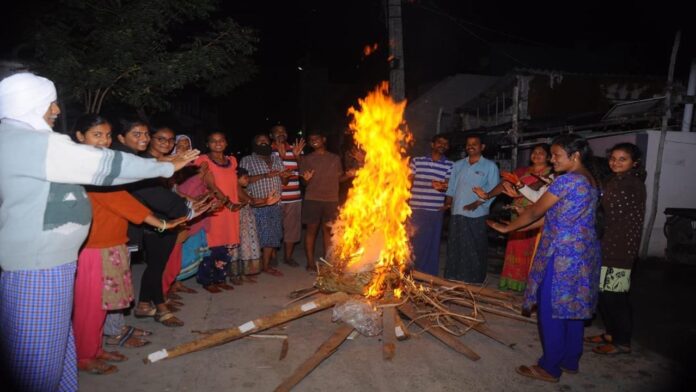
{"x":164,"y":139}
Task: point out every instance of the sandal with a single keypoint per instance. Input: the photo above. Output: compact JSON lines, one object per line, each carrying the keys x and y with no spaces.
{"x":173,"y":308}
{"x":111,"y":356}
{"x":174,"y":302}
{"x":211,"y":288}
{"x":225,"y":286}
{"x":172,"y":295}
{"x":311,"y":271}
{"x":564,"y":370}
{"x":97,"y":366}
{"x":611,"y":349}
{"x":130,"y":342}
{"x":168,"y":320}
{"x":273,"y":271}
{"x":536,"y":372}
{"x":237,"y":281}
{"x":184,"y":289}
{"x":138,"y":331}
{"x":597,"y":339}
{"x":249,"y":279}
{"x":127,"y":338}
{"x":141,"y":312}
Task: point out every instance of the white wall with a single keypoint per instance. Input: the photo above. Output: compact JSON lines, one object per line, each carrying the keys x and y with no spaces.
{"x":677,"y":182}
{"x":448,"y":94}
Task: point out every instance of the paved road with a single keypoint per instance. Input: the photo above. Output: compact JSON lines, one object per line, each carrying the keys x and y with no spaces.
{"x":421,"y":363}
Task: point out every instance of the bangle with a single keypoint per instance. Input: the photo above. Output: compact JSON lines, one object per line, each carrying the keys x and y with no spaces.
{"x":163,"y":228}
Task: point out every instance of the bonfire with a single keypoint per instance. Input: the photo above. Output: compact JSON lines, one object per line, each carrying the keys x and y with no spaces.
{"x":367,"y":272}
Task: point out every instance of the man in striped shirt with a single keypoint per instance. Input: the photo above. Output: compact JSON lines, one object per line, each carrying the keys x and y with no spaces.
{"x":430,"y":175}
{"x":290,"y":197}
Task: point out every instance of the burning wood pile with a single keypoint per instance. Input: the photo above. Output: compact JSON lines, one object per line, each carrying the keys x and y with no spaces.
{"x":367,"y":276}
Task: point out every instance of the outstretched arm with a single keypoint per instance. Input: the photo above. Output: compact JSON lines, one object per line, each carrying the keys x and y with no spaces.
{"x":72,"y":163}
{"x":530,"y":215}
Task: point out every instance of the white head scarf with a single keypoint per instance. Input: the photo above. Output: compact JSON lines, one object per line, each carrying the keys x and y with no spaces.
{"x":26,"y":97}
{"x":179,"y":137}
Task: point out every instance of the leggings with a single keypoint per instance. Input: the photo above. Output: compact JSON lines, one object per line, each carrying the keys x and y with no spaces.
{"x":158,"y":246}
{"x":615,"y":309}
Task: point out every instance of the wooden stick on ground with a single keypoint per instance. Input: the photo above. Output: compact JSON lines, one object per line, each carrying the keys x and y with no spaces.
{"x":400,"y":328}
{"x":324,"y":351}
{"x":388,"y":333}
{"x":487,"y":331}
{"x":498,"y":312}
{"x":248,"y":328}
{"x":445,"y":337}
{"x":432,"y":279}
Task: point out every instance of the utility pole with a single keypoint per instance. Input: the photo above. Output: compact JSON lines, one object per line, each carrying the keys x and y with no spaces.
{"x":514,"y":131}
{"x":661,"y":148}
{"x":397,"y":84}
{"x":690,"y":91}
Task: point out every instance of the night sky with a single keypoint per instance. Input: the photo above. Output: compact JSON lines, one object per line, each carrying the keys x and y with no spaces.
{"x":441,"y":38}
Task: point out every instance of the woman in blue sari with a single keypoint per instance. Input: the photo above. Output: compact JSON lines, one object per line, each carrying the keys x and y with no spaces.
{"x":565,"y":271}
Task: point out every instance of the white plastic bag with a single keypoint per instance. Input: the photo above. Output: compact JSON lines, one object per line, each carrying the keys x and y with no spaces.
{"x":360,"y":315}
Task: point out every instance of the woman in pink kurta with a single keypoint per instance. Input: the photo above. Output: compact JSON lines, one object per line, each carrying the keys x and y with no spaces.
{"x":223,"y":236}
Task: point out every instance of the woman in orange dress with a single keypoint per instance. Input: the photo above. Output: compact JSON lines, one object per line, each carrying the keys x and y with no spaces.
{"x":223,"y":236}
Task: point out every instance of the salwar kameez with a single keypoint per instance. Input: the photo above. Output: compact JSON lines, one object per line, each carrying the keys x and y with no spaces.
{"x":563,"y":282}
{"x":102,"y":283}
{"x":561,"y":339}
{"x":519,"y":250}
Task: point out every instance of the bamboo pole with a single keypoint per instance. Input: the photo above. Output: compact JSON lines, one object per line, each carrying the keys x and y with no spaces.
{"x":248,"y":328}
{"x":445,"y":337}
{"x":324,"y":351}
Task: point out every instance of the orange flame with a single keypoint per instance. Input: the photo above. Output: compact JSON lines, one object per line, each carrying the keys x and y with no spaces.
{"x":370,"y":231}
{"x":369,"y":49}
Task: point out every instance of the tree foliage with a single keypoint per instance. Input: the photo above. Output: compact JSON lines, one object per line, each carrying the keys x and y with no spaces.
{"x":139,"y":52}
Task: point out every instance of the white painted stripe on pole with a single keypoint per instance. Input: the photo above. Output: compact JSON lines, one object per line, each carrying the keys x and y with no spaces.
{"x":158,"y":355}
{"x":248,"y":326}
{"x":308,"y":306}
{"x":399,"y":332}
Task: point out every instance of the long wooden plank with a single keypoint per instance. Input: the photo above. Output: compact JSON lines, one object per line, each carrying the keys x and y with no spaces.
{"x":400,"y":329}
{"x":248,"y":328}
{"x":324,"y":351}
{"x":388,"y":333}
{"x":445,"y":337}
{"x":486,"y":331}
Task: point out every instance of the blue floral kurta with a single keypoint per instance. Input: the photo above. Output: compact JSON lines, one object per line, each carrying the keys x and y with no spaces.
{"x":570,"y":243}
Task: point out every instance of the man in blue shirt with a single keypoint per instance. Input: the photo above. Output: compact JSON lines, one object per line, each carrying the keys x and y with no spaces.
{"x":467,"y":243}
{"x":429,"y":176}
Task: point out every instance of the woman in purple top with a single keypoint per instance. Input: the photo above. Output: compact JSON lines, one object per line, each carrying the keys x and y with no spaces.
{"x":565,"y":271}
